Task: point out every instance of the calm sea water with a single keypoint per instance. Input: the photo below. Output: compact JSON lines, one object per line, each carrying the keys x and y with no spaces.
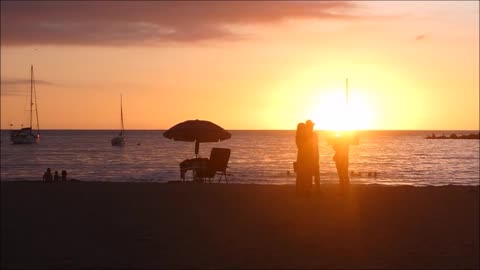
{"x":263,"y":157}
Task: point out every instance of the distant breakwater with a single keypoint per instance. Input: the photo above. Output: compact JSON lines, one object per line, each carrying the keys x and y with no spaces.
{"x":455,"y":137}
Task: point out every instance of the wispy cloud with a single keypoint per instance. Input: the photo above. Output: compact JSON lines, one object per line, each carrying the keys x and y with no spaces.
{"x":19,"y":87}
{"x":149,"y":22}
{"x":421,"y":37}
{"x":24,"y":82}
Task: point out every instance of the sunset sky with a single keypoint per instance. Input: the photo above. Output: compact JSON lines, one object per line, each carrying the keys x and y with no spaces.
{"x":242,"y":65}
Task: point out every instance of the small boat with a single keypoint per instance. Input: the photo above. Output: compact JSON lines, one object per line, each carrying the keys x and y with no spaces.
{"x":26,"y":135}
{"x":120,"y":140}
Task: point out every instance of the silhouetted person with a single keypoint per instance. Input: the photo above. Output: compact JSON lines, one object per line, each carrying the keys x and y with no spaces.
{"x":341,"y":161}
{"x":64,"y":175}
{"x":303,"y":167}
{"x":341,"y":146}
{"x":47,"y":176}
{"x":56,"y":177}
{"x":312,"y":140}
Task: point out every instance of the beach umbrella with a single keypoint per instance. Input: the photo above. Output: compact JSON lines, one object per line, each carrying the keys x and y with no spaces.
{"x":197,"y":131}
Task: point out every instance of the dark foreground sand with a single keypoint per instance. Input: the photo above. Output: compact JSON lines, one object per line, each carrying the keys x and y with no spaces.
{"x":120,"y":225}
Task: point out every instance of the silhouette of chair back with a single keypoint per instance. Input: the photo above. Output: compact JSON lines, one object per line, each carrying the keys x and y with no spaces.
{"x":217,"y":164}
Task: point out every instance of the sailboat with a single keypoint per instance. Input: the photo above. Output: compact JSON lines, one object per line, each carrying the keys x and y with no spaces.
{"x":26,"y":135}
{"x":120,"y":140}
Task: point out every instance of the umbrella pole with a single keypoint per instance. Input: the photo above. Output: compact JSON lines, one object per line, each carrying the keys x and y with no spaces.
{"x":197,"y":146}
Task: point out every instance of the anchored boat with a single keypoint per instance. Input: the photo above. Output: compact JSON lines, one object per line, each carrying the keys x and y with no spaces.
{"x":120,"y":140}
{"x":27,"y":135}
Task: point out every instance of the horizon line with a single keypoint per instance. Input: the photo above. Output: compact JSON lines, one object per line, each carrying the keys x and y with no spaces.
{"x":73,"y":129}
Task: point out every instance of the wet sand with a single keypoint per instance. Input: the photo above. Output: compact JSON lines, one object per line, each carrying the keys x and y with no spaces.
{"x":147,"y":225}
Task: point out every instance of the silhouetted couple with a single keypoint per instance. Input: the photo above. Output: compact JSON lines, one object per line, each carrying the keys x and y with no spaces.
{"x":307,"y":165}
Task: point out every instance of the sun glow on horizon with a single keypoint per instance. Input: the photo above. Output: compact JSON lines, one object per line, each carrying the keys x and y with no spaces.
{"x":269,"y":68}
{"x":332,"y":113}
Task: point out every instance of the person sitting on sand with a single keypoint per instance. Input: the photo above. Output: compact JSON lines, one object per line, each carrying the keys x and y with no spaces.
{"x":64,"y":175}
{"x":47,"y":176}
{"x":56,"y":177}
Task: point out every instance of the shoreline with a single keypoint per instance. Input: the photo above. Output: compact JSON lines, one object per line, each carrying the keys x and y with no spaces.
{"x":159,"y":225}
{"x":330,"y":184}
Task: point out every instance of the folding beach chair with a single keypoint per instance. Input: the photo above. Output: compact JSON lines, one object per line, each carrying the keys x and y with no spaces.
{"x":217,"y":165}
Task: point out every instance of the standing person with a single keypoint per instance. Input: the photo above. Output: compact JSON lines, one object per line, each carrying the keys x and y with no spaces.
{"x":341,"y":161}
{"x":341,"y":145}
{"x":47,"y":176}
{"x":302,"y":168}
{"x":315,"y":161}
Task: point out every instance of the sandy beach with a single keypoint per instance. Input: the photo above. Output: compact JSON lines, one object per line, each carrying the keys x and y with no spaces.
{"x":148,"y":225}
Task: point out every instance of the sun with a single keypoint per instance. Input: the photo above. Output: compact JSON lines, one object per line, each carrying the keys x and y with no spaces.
{"x":331,"y":112}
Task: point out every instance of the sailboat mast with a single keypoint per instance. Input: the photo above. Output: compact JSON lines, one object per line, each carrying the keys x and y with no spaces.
{"x":31,"y":94}
{"x":121,"y":111}
{"x":36,"y":103}
{"x":346,"y":88}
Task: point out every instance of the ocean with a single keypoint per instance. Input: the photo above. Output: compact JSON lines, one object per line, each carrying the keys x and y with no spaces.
{"x":260,"y":157}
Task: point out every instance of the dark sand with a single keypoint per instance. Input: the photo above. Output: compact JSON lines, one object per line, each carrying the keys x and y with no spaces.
{"x":143,"y":225}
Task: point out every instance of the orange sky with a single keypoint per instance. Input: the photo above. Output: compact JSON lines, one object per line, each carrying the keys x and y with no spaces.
{"x":251,"y":65}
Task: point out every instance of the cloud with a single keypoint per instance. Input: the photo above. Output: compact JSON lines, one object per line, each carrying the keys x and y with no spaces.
{"x":421,"y":37}
{"x":149,"y":22}
{"x":19,"y":87}
{"x":24,"y":82}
